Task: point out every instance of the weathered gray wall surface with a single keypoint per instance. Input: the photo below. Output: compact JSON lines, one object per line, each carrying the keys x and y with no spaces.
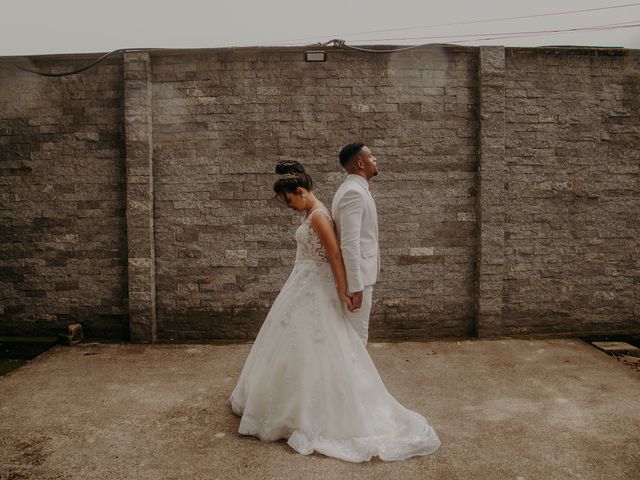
{"x":572,"y":155}
{"x":136,"y":197}
{"x":62,"y":199}
{"x":221,"y":122}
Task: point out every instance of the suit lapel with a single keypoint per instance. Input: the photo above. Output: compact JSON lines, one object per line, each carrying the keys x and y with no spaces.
{"x":362,"y":187}
{"x":370,"y":200}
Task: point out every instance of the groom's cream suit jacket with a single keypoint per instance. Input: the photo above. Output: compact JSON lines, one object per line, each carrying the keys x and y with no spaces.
{"x":356,"y":221}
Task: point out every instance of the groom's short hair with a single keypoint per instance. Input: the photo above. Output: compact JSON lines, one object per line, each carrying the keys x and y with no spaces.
{"x":348,"y":152}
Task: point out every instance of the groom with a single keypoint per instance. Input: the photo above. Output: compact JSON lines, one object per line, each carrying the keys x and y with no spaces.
{"x":356,"y":220}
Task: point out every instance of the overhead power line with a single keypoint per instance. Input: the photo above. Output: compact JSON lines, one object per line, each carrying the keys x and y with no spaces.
{"x":342,"y":43}
{"x":77,"y":70}
{"x":469,"y":22}
{"x":498,"y":36}
{"x":470,"y":35}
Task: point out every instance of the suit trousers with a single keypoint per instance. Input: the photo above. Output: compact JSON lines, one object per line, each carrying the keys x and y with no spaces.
{"x":360,"y":319}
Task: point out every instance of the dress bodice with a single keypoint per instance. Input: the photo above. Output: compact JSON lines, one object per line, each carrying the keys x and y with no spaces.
{"x":309,"y":246}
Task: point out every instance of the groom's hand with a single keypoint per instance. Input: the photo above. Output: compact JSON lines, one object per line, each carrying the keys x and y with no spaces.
{"x":356,"y":301}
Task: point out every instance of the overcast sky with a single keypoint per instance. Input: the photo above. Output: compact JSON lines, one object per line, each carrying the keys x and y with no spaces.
{"x":30,"y":27}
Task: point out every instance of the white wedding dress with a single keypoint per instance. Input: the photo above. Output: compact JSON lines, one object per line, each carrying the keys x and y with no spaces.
{"x":310,"y":379}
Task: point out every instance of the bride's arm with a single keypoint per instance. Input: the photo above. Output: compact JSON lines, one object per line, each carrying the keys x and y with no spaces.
{"x":324,"y":228}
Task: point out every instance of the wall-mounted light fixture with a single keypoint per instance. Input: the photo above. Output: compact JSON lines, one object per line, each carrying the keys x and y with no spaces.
{"x":315,"y":56}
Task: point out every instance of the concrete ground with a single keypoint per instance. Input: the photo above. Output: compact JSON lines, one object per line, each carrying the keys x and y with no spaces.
{"x":518,"y":409}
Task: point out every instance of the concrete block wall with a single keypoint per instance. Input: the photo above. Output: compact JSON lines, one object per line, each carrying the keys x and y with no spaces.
{"x":490,"y":159}
{"x":572,"y":155}
{"x":63,"y":254}
{"x":222,"y":120}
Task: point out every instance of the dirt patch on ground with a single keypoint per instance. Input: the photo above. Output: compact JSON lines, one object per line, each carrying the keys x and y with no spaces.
{"x":23,"y":459}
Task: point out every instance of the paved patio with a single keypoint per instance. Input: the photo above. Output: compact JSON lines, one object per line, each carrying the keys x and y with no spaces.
{"x":520,"y":409}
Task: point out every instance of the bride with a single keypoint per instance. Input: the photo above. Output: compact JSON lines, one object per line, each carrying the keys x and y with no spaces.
{"x":308,"y":377}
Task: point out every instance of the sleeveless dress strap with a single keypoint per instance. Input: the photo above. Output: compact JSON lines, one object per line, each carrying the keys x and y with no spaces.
{"x":324,"y":212}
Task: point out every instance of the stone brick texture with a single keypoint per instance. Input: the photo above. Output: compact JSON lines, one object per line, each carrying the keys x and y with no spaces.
{"x":62,"y":199}
{"x":223,"y":246}
{"x":221,"y":121}
{"x":572,"y":229}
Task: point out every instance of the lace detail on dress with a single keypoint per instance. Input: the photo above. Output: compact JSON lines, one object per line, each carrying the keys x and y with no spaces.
{"x":309,"y":246}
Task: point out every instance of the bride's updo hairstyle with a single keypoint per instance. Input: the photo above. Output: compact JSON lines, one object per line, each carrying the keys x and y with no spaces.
{"x":292,"y":176}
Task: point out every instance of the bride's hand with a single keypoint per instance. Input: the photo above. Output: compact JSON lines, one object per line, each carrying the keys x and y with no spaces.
{"x":347,"y":300}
